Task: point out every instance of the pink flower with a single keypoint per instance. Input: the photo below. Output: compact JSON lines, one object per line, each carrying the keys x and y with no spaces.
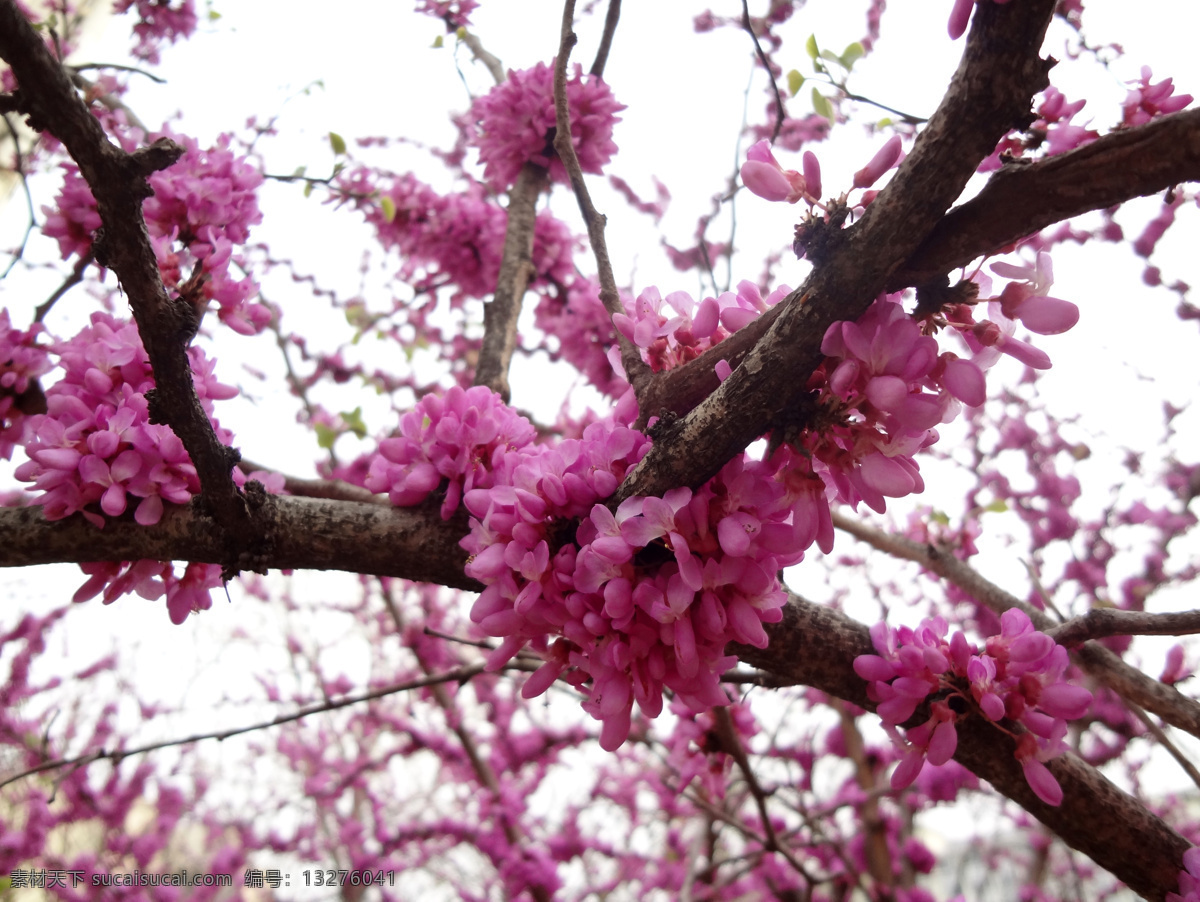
{"x":763,"y":175}
{"x":1026,"y":299}
{"x":515,"y":119}
{"x":885,"y":158}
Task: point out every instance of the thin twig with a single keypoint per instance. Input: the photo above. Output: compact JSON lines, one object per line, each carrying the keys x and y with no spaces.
{"x":81,"y":67}
{"x":606,"y":39}
{"x":333,"y":489}
{"x":1160,"y":735}
{"x":638,"y":373}
{"x":458,"y":675}
{"x":780,"y":111}
{"x":70,"y":282}
{"x":19,"y":169}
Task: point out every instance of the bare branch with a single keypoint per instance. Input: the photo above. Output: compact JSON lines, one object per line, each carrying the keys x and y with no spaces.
{"x":479,"y":52}
{"x":606,"y":39}
{"x":780,"y":111}
{"x":500,"y":314}
{"x":1100,"y":622}
{"x":458,"y":675}
{"x":638,"y":373}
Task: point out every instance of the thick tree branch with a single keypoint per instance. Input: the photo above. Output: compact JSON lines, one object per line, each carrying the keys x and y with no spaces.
{"x":1128,"y":682}
{"x":118,"y":182}
{"x":1021,"y":199}
{"x":298,"y":533}
{"x":816,"y":646}
{"x":989,"y":94}
{"x":635,"y":369}
{"x":501,"y":313}
{"x":1018,"y":201}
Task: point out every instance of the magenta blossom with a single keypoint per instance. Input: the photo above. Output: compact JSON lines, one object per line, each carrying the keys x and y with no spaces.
{"x":516,"y":117}
{"x":763,"y":175}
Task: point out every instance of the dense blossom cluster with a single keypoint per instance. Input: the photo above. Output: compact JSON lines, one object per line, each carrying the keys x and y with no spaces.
{"x":202,"y":207}
{"x":516,"y":119}
{"x":22,"y":361}
{"x":453,"y":239}
{"x":1018,"y":676}
{"x":584,"y":331}
{"x":455,"y":442}
{"x":96,"y":452}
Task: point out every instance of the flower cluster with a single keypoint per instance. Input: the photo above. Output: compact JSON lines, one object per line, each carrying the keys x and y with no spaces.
{"x":206,"y":202}
{"x":74,"y":218}
{"x":96,"y":452}
{"x":763,"y":175}
{"x":584,"y":331}
{"x":457,"y":442}
{"x":22,"y":361}
{"x":1145,"y":101}
{"x":683,"y":330}
{"x":96,"y":446}
{"x":646,"y":597}
{"x":516,"y":117}
{"x":1018,"y":676}
{"x":457,"y":237}
{"x":151,"y":580}
{"x":159,"y":22}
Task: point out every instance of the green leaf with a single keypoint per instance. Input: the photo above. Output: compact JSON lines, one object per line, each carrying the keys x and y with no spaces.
{"x":438,"y":42}
{"x":389,"y":208}
{"x":821,"y":105}
{"x":308,"y":189}
{"x":811,"y":46}
{"x":338,"y":143}
{"x":831,"y":56}
{"x":461,"y":33}
{"x":998,"y":506}
{"x":354,"y":422}
{"x":795,"y":81}
{"x":851,"y":55}
{"x":213,"y":15}
{"x":325,"y":436}
{"x":885,"y":122}
{"x":939,"y":517}
{"x":300,"y":170}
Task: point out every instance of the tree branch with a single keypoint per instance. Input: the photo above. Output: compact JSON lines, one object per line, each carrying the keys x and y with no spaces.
{"x":1100,"y":622}
{"x":500,"y":314}
{"x":297,"y":533}
{"x":1017,"y":201}
{"x":1128,"y":682}
{"x":638,"y":373}
{"x":988,"y":96}
{"x":1021,"y":199}
{"x":780,"y":112}
{"x":436,"y":680}
{"x":610,"y":27}
{"x":816,"y":646}
{"x":118,"y":182}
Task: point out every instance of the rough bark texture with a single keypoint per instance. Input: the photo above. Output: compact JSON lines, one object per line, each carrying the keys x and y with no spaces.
{"x":905,"y":238}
